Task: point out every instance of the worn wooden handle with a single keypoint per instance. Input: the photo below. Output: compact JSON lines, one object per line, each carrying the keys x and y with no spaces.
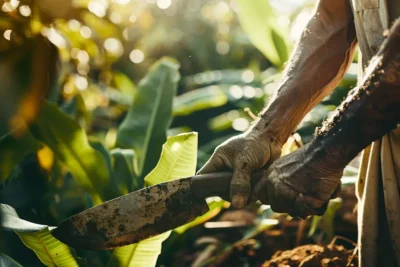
{"x":218,"y":183}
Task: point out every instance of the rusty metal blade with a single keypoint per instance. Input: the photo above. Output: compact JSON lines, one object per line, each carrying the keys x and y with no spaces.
{"x":132,"y":217}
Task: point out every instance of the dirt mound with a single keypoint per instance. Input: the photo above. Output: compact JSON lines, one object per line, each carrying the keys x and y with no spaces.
{"x":313,"y":256}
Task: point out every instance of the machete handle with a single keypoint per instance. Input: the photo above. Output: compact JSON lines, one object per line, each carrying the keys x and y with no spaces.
{"x":218,"y":183}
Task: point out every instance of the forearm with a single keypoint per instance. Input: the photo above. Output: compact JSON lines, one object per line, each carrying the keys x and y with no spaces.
{"x":370,"y":111}
{"x":318,"y":63}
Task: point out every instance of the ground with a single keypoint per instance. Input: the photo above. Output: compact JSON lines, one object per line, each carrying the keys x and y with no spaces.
{"x":313,"y":256}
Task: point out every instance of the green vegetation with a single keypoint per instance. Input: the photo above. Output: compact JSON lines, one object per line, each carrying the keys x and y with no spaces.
{"x":101,"y":98}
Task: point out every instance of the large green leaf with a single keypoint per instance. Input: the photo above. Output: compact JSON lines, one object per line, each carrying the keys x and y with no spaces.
{"x":280,"y":45}
{"x":70,"y":144}
{"x":114,"y":182}
{"x":76,"y":108}
{"x":142,"y":254}
{"x":13,"y":150}
{"x":178,"y":160}
{"x":99,"y":146}
{"x":204,"y":98}
{"x":8,"y":262}
{"x":124,"y":170}
{"x":124,"y":84}
{"x":144,"y":128}
{"x":258,"y":20}
{"x":218,"y":77}
{"x":49,"y":250}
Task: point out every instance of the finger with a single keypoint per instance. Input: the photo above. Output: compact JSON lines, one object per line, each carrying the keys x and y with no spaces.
{"x":282,"y":197}
{"x":254,"y":182}
{"x":214,"y":164}
{"x":306,"y":206}
{"x":260,"y":190}
{"x":240,"y":184}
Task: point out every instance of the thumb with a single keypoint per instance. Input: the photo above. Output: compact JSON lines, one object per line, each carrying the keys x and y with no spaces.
{"x":240,"y":184}
{"x":214,"y":164}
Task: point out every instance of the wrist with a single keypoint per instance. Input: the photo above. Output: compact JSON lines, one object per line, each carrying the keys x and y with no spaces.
{"x":280,"y":119}
{"x":328,"y":156}
{"x":268,"y":129}
{"x":265,"y":137}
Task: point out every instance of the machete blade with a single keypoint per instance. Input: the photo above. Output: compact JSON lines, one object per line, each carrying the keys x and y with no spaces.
{"x":132,"y":217}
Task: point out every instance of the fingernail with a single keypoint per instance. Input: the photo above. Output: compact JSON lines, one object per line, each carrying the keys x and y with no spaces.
{"x":238,"y":201}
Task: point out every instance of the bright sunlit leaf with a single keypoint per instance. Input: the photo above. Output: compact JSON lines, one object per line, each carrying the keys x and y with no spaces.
{"x":38,"y":238}
{"x":178,"y":160}
{"x":258,"y":20}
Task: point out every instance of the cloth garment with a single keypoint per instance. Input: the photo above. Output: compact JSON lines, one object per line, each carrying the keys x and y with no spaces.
{"x":379,"y":178}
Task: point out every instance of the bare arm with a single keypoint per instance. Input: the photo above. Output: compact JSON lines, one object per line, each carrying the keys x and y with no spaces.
{"x":316,"y":66}
{"x":370,"y":110}
{"x":302,"y":182}
{"x":318,"y":63}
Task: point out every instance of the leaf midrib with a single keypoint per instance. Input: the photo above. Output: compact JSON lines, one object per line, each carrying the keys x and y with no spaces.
{"x":132,"y":254}
{"x":177,"y":157}
{"x":37,"y":236}
{"x":151,"y":124}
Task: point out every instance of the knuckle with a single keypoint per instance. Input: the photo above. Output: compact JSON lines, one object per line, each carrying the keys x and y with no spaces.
{"x":215,"y":156}
{"x":224,"y":152}
{"x":247,"y":160}
{"x":243,"y":164}
{"x":218,"y":150}
{"x":219,"y":156}
{"x":240,"y":187}
{"x":240,"y":182}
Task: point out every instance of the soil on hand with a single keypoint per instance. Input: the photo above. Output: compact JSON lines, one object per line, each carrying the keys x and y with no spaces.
{"x":313,"y":256}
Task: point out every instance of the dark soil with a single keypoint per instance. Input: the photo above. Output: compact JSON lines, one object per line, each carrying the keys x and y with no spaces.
{"x":313,"y":256}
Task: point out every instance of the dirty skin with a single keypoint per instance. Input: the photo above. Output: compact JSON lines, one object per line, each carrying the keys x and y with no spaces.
{"x":310,"y":176}
{"x":369,"y":111}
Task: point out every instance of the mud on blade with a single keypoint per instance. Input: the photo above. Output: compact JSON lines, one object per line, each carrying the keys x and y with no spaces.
{"x":133,"y":217}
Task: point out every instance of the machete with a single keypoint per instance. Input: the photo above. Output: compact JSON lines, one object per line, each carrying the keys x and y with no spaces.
{"x":144,"y":213}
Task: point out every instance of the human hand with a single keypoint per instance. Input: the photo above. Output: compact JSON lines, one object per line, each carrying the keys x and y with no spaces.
{"x":300,"y":183}
{"x":243,"y":153}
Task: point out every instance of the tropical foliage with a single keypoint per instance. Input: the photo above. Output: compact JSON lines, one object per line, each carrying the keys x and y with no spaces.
{"x":101,"y":98}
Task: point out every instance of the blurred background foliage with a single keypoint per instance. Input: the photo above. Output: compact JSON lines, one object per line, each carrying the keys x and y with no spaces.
{"x":86,"y":58}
